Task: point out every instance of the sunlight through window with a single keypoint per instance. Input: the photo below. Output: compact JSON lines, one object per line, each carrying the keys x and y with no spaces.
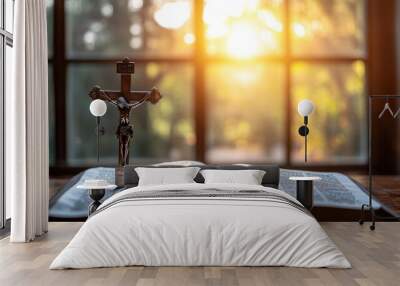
{"x":243,"y":29}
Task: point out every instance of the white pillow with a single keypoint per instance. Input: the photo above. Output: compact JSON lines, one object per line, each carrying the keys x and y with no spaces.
{"x":165,"y":176}
{"x":183,"y":163}
{"x":248,"y":177}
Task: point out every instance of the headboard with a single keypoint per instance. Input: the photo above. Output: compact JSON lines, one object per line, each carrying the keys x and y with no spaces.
{"x":270,"y":179}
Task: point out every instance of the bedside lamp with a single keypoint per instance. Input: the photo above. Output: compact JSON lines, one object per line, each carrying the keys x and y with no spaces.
{"x":98,"y":108}
{"x":305,"y":108}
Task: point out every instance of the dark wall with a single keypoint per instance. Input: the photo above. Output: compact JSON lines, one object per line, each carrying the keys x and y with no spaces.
{"x":382,"y":80}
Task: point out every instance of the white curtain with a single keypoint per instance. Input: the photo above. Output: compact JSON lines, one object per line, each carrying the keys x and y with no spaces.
{"x":27,"y":124}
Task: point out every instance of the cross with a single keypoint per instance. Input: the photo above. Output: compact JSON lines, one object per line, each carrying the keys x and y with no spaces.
{"x":125,"y":100}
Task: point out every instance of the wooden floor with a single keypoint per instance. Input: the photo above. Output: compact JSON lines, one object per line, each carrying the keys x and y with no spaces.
{"x":375,"y":257}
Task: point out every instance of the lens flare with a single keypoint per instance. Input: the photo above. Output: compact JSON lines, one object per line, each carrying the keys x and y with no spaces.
{"x":237,"y":28}
{"x":189,"y":38}
{"x":173,"y":15}
{"x":243,"y":41}
{"x":299,"y":30}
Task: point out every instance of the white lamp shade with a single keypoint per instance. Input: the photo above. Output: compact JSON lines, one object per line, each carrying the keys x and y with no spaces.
{"x":98,"y":107}
{"x":305,"y":107}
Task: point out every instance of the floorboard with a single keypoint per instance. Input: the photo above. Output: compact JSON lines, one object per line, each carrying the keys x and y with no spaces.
{"x":375,"y":257}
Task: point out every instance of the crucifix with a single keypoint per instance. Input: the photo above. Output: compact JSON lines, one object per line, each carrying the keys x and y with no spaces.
{"x":125,"y":100}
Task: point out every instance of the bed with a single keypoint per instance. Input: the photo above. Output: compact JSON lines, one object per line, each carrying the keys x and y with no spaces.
{"x":201,"y":224}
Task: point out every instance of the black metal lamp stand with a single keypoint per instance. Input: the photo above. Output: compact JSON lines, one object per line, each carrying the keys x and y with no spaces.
{"x":99,"y":132}
{"x":303,"y":131}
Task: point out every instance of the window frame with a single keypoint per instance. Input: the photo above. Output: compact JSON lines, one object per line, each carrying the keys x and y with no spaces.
{"x":199,"y":59}
{"x":6,"y":39}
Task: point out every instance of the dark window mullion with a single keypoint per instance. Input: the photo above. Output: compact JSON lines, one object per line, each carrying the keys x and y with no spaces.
{"x":59,"y":75}
{"x":200,"y":110}
{"x":288,"y":83}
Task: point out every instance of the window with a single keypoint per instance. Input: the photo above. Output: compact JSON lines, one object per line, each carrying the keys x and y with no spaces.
{"x":109,"y":29}
{"x":241,"y":128}
{"x":6,"y":60}
{"x":232,"y":73}
{"x":161,"y":131}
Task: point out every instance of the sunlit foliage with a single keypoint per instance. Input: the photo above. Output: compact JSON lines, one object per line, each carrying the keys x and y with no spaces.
{"x":329,"y":27}
{"x":164,"y":131}
{"x":243,"y":28}
{"x":245,"y":118}
{"x":106,"y":28}
{"x":338,"y":124}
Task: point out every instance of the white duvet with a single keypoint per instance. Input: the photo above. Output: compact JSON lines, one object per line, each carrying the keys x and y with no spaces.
{"x":200,"y":231}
